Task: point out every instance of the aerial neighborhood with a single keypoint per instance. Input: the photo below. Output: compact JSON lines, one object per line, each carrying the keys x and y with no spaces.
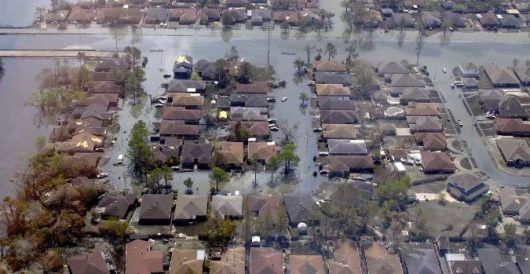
{"x":265,"y":137}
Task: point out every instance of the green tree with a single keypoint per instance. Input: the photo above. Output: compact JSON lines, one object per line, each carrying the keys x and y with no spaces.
{"x":393,"y":192}
{"x":352,"y":51}
{"x":220,"y":232}
{"x":40,"y":142}
{"x":139,"y":152}
{"x":288,"y":156}
{"x":133,"y":84}
{"x":245,"y":72}
{"x":117,"y":227}
{"x":188,"y":183}
{"x":303,"y":97}
{"x":491,"y":226}
{"x":509,"y":234}
{"x":331,"y":50}
{"x":132,"y":54}
{"x":299,"y":65}
{"x":219,"y":176}
{"x":272,"y":164}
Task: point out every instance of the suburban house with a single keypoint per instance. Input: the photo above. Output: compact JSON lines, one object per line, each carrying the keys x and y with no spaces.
{"x":232,"y":261}
{"x":346,"y":259}
{"x":265,"y":260}
{"x":510,"y":107}
{"x":424,"y":124}
{"x":248,"y":100}
{"x":421,"y":260}
{"x":338,"y":117}
{"x":209,"y":15}
{"x":340,"y":166}
{"x":523,"y":74}
{"x":471,"y":83}
{"x":262,"y":151}
{"x":329,"y":66}
{"x":515,"y":152}
{"x":118,"y":15}
{"x":228,"y":206}
{"x":256,"y":129}
{"x":260,"y":16}
{"x":248,"y":114}
{"x":232,"y":153}
{"x":390,"y":69}
{"x":469,"y":70}
{"x":186,"y":261}
{"x":258,"y":87}
{"x":80,"y":16}
{"x":207,"y":70}
{"x":332,"y":90}
{"x":104,"y":87}
{"x":156,"y":16}
{"x":490,"y":99}
{"x":509,"y":21}
{"x":167,"y":153}
{"x":190,"y":208}
{"x":266,"y":206}
{"x":185,"y":85}
{"x":338,"y":131}
{"x":179,"y":129}
{"x":501,"y":77}
{"x":430,"y":21}
{"x":422,"y":109}
{"x":335,"y":103}
{"x":183,"y":67}
{"x":513,"y":200}
{"x":189,"y":116}
{"x":404,"y":20}
{"x":299,"y":208}
{"x":434,"y":141}
{"x":186,"y":100}
{"x":140,"y":259}
{"x":493,"y":262}
{"x":347,"y":147}
{"x":463,"y":265}
{"x":306,"y":263}
{"x":414,"y":95}
{"x":106,"y":99}
{"x":512,"y":126}
{"x":155,"y":209}
{"x":196,"y":154}
{"x":405,"y":81}
{"x":116,"y":205}
{"x":437,"y":162}
{"x":488,"y":20}
{"x":379,"y":260}
{"x":94,"y":262}
{"x":466,"y":186}
{"x":184,"y":15}
{"x":342,"y":78}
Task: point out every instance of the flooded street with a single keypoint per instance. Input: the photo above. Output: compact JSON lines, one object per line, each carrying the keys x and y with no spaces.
{"x":18,"y":134}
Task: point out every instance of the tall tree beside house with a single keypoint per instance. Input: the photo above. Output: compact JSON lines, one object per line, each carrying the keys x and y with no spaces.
{"x":447,"y":23}
{"x":139,"y":152}
{"x":288,"y":156}
{"x":351,"y":49}
{"x":303,"y":97}
{"x":133,"y":84}
{"x":246,"y":72}
{"x":219,"y":176}
{"x":331,"y":50}
{"x":132,"y":54}
{"x":272,"y":164}
{"x":393,"y":193}
{"x":189,"y":184}
{"x":299,"y":65}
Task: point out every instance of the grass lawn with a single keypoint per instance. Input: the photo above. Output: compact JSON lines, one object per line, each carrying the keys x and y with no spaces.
{"x":439,"y":218}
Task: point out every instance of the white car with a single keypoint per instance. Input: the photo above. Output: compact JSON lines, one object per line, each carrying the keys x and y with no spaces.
{"x":102,"y":175}
{"x":444,"y":70}
{"x":323,"y":153}
{"x":284,"y":99}
{"x":274,"y":128}
{"x":159,"y":105}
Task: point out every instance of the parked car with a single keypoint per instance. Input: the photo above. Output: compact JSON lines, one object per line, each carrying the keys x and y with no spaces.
{"x":284,"y":99}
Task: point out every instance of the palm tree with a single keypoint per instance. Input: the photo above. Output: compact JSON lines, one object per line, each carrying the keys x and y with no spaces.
{"x":331,"y":50}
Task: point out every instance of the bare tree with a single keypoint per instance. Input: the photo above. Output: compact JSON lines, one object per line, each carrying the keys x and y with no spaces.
{"x":419,"y":47}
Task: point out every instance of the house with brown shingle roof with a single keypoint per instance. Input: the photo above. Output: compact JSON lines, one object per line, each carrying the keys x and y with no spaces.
{"x":340,"y":166}
{"x":80,"y":16}
{"x":466,"y":186}
{"x":232,"y":262}
{"x":186,"y":100}
{"x":501,"y":77}
{"x":256,"y":129}
{"x":248,"y":114}
{"x":424,"y":124}
{"x":190,"y":208}
{"x":155,"y":209}
{"x":391,"y":68}
{"x":92,"y":263}
{"x":265,"y":260}
{"x":512,"y":126}
{"x":329,"y":66}
{"x":186,"y":261}
{"x":262,"y":150}
{"x":82,"y":142}
{"x":306,"y":264}
{"x":196,"y":154}
{"x":347,"y":147}
{"x":260,"y":87}
{"x":266,"y":206}
{"x":413,"y":95}
{"x":116,"y":205}
{"x":346,"y":259}
{"x":338,"y":117}
{"x":406,"y":80}
{"x":189,"y":116}
{"x":332,"y":90}
{"x":183,"y":15}
{"x":338,"y":131}
{"x":431,"y":140}
{"x":232,"y":153}
{"x":228,"y":206}
{"x":489,"y":20}
{"x":469,"y":70}
{"x":515,"y":152}
{"x":140,"y":259}
{"x":179,"y":129}
{"x":107,"y":99}
{"x":335,"y":103}
{"x":379,"y":260}
{"x":437,"y":162}
{"x":422,"y":109}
